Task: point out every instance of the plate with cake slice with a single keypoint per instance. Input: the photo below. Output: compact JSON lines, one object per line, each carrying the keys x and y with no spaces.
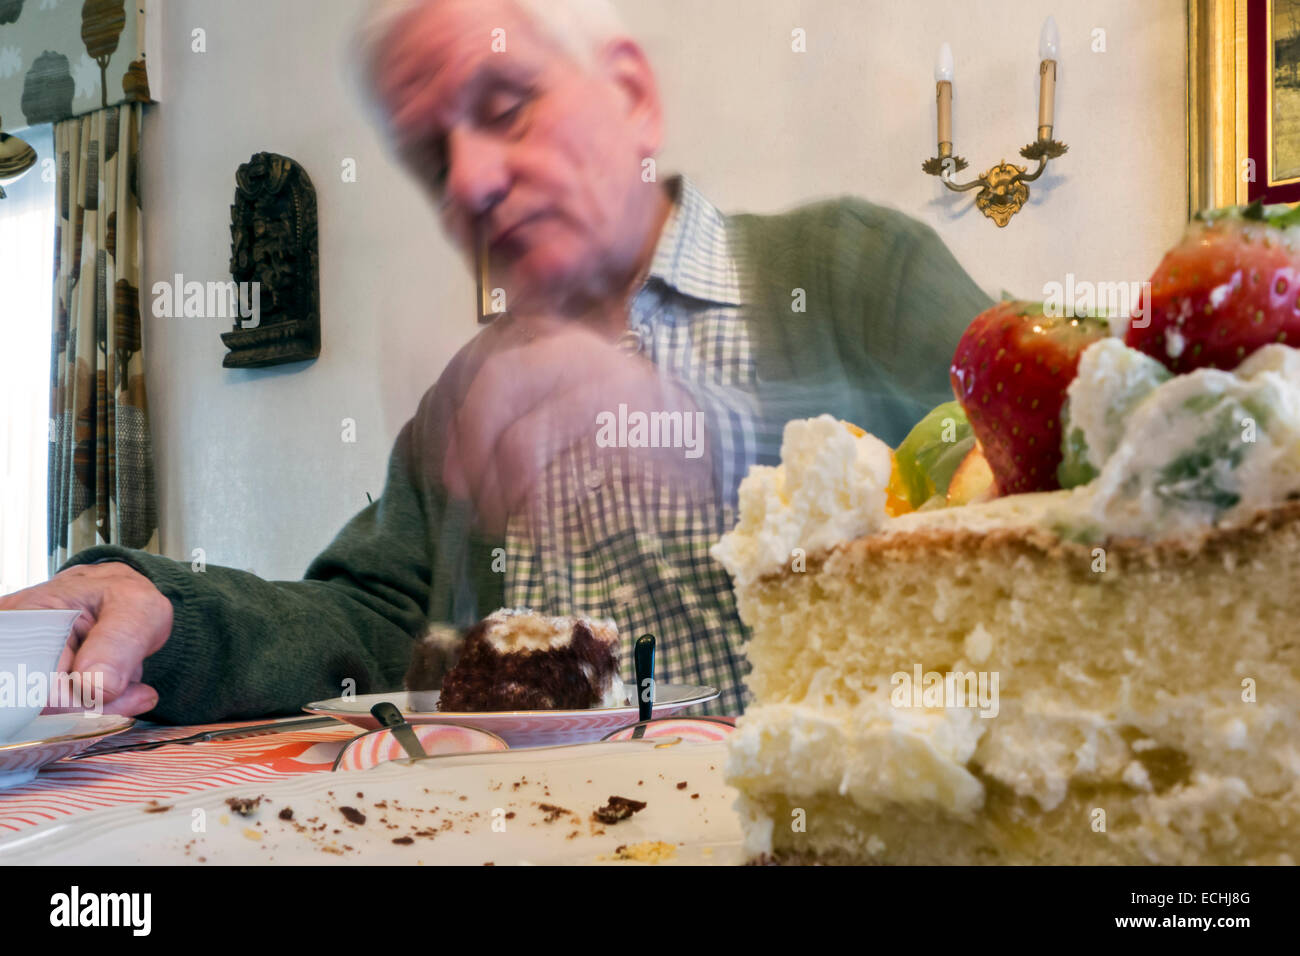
{"x":519,"y":728}
{"x":532,"y":679}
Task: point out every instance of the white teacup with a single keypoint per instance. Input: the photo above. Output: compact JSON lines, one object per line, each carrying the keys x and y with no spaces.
{"x":30,"y":643}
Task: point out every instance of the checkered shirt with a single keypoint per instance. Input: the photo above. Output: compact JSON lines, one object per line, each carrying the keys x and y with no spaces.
{"x":609,"y":535}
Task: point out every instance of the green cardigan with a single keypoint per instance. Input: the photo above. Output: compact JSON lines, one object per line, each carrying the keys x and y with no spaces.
{"x":884,"y":303}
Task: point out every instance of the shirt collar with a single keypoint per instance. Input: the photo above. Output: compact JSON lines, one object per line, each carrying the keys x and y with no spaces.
{"x":693,"y":255}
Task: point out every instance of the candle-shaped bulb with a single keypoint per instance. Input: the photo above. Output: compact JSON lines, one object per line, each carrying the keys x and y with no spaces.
{"x":943,"y":95}
{"x":1049,"y":40}
{"x":1049,"y":45}
{"x":943,"y":65}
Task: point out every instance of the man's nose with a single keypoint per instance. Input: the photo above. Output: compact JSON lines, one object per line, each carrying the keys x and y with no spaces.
{"x":477,"y":179}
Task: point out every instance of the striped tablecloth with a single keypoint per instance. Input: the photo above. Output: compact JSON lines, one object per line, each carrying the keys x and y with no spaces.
{"x":69,"y":787}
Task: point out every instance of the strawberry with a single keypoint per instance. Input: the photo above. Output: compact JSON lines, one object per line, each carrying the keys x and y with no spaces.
{"x":1227,"y":288}
{"x":1010,"y":372}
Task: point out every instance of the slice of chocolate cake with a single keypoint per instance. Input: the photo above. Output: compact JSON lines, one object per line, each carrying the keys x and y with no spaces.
{"x":520,"y":660}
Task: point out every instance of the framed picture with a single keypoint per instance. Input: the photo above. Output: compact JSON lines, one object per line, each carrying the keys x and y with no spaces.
{"x":486,"y":294}
{"x":1243,"y":102}
{"x":1273,"y":97}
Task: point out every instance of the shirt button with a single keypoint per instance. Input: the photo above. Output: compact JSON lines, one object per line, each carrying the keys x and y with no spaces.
{"x":594,"y":479}
{"x":624,"y":594}
{"x":630,"y":342}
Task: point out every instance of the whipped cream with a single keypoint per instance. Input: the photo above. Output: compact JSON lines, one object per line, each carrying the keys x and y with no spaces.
{"x":829,"y":488}
{"x":519,"y":630}
{"x":1185,"y":452}
{"x":1111,"y":380}
{"x":1168,"y":454}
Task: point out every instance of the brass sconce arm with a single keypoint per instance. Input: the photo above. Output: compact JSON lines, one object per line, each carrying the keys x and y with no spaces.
{"x":1002,"y":189}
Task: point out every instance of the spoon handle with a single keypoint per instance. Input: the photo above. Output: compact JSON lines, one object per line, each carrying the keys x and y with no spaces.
{"x":389,"y":716}
{"x":643,"y":660}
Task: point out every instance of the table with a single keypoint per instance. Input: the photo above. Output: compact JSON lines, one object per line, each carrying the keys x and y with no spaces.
{"x":451,"y":810}
{"x":71,"y":787}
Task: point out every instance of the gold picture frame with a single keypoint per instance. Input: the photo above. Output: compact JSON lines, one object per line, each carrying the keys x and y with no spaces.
{"x":1217,"y":104}
{"x":484,"y":289}
{"x":1239,"y":99}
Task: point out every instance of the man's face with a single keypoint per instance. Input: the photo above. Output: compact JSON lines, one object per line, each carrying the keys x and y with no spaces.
{"x":542,"y":155}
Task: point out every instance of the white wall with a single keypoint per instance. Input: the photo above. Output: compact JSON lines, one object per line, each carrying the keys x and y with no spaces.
{"x":251,"y":465}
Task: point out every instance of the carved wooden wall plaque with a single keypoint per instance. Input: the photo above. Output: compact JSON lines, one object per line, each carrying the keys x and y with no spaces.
{"x":273,"y":260}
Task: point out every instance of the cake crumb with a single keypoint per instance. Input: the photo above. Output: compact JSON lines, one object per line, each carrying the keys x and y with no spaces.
{"x":682,"y":785}
{"x":651,"y":851}
{"x":244,"y":806}
{"x":616,"y":809}
{"x":286,"y":813}
{"x":552,"y":812}
{"x":352,"y":815}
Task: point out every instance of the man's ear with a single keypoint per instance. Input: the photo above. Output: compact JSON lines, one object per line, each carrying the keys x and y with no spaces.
{"x":624,"y":64}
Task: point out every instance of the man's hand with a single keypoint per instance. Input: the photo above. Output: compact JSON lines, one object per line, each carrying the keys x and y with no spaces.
{"x":528,"y":403}
{"x":124,"y":619}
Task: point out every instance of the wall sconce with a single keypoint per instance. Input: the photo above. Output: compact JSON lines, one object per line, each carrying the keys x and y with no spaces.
{"x":16,"y":158}
{"x":1003,"y":189}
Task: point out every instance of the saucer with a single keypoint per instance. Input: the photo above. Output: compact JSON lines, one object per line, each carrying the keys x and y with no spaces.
{"x":52,"y":737}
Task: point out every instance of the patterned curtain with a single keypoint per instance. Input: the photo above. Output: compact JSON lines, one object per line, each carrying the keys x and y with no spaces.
{"x":101,"y":459}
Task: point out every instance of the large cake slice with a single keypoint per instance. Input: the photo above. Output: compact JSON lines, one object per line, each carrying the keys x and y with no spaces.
{"x":1106,"y":674}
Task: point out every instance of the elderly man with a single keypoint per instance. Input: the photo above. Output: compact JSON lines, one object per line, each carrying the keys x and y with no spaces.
{"x":531,"y":124}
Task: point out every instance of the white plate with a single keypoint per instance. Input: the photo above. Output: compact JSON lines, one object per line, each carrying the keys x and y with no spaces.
{"x":52,"y":737}
{"x":519,"y":728}
{"x":481,"y":808}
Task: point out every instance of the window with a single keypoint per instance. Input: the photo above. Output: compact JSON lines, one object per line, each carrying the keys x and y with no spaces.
{"x":27,"y":221}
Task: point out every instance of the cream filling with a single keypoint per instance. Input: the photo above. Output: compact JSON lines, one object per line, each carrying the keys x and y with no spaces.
{"x":875,"y":754}
{"x":615,"y":694}
{"x":880,"y":756}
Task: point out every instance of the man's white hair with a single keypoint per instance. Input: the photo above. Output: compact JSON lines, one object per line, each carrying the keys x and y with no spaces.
{"x":580,"y":28}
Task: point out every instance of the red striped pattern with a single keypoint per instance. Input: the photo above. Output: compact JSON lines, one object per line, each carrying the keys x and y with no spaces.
{"x":688,"y":728}
{"x":75,"y":786}
{"x":378,"y":746}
